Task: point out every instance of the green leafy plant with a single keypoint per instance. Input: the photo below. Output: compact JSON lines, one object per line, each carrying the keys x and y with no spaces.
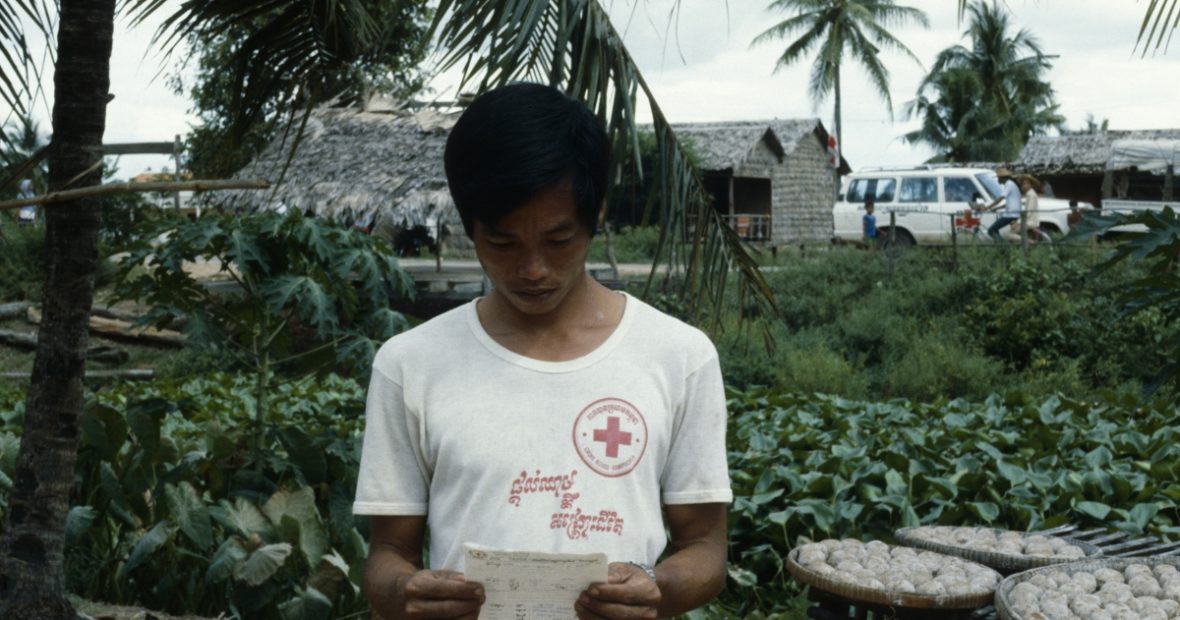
{"x":303,"y":293}
{"x":813,"y":467}
{"x":165,"y":515}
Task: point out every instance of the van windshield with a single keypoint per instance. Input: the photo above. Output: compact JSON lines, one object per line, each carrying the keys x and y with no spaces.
{"x":989,"y":183}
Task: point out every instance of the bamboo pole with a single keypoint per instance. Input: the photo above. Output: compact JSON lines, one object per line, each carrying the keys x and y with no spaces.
{"x":122,"y":188}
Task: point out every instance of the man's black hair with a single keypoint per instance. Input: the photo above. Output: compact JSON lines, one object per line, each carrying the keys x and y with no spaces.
{"x":516,"y":140}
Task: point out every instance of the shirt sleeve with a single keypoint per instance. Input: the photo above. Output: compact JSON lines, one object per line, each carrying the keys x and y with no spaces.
{"x":393,"y":478}
{"x":696,"y":471}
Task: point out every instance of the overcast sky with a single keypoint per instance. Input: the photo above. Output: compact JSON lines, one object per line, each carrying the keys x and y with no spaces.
{"x":702,"y":67}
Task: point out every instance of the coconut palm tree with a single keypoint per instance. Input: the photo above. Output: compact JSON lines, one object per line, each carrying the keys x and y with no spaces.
{"x":835,"y":26}
{"x":569,"y":43}
{"x":982,"y":102}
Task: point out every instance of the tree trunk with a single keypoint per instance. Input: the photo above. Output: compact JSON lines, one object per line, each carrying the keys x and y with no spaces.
{"x":839,"y":131}
{"x":31,"y":577}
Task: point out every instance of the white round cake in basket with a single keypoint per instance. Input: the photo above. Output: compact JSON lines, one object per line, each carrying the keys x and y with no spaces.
{"x":882,"y":574}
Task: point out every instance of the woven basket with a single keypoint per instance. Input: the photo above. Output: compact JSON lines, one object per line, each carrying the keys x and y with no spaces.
{"x":1004,"y":606}
{"x":1004,"y":562}
{"x":858,"y":594}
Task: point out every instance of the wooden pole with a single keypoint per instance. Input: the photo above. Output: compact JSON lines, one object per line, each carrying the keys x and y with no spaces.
{"x":130,"y":373}
{"x":954,"y":244}
{"x":892,"y":228}
{"x":1024,"y":230}
{"x":122,"y":188}
{"x":176,"y":175}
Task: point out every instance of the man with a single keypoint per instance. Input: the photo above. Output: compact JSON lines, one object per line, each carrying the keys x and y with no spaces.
{"x":1011,"y":200}
{"x":552,"y":414}
{"x":869,"y":221}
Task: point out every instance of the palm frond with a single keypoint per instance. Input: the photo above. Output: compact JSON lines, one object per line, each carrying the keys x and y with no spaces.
{"x":20,"y":75}
{"x":499,"y":41}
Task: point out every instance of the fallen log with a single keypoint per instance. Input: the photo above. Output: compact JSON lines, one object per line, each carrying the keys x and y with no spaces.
{"x":108,"y":312}
{"x":98,"y":353}
{"x":114,"y":328}
{"x":13,"y":310}
{"x":121,"y":373}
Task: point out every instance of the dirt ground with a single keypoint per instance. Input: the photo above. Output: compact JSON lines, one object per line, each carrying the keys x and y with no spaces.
{"x":89,"y":610}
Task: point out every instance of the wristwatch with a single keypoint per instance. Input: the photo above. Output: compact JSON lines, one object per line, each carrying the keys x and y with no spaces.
{"x":646,"y":568}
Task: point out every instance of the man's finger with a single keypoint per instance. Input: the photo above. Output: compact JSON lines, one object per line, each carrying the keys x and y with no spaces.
{"x":442,"y":586}
{"x":425,"y":608}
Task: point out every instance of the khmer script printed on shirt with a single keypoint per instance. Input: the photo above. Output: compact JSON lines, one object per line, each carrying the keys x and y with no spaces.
{"x":526,"y":585}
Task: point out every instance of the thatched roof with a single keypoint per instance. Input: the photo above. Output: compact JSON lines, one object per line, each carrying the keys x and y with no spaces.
{"x":1079,"y":153}
{"x":724,"y":145}
{"x":355,"y":165}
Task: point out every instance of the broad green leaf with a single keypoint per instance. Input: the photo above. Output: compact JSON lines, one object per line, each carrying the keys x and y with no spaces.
{"x":262,"y":564}
{"x":155,"y":538}
{"x":190,"y":514}
{"x":1015,"y":475}
{"x":78,"y":522}
{"x":310,"y":604}
{"x":228,"y":556}
{"x":987,"y":511}
{"x":242,"y":516}
{"x":1142,"y":514}
{"x":742,"y":577}
{"x":1095,"y":510}
{"x":144,"y":419}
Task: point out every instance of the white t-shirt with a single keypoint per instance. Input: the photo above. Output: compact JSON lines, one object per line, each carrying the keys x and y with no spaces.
{"x":1011,"y":199}
{"x":513,"y":452}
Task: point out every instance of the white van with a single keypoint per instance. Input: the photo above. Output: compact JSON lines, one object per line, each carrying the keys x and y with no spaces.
{"x":924,"y":198}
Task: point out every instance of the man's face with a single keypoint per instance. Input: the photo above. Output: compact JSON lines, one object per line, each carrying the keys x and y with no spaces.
{"x":536,"y":254}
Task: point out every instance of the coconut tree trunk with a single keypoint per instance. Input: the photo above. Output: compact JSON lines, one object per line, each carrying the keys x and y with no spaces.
{"x":31,"y":577}
{"x":839,"y":131}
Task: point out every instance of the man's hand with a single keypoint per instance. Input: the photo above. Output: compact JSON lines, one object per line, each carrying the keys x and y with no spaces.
{"x":627,"y":593}
{"x":440,"y":594}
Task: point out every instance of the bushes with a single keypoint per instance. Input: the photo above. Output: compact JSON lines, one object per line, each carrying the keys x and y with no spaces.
{"x":912,"y":327}
{"x":168,"y":513}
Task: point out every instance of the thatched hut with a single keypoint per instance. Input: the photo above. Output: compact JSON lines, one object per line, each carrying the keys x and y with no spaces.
{"x":381,"y":171}
{"x":774,"y":181}
{"x":1074,"y":164}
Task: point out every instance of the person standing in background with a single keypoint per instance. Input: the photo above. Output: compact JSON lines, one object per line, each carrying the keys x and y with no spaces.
{"x":27,"y":215}
{"x":869,"y":221}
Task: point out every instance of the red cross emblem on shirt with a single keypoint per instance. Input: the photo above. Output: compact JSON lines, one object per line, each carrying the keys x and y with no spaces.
{"x":612,"y":436}
{"x":966,"y":220}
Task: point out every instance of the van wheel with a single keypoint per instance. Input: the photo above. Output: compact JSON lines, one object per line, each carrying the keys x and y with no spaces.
{"x":1050,"y":230}
{"x":902,"y":239}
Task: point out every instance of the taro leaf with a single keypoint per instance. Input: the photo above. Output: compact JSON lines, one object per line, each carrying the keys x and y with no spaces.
{"x":310,"y":604}
{"x":300,"y":507}
{"x":304,"y":454}
{"x":78,"y":522}
{"x":9,"y":446}
{"x":242,"y":517}
{"x":190,"y":513}
{"x":104,"y":430}
{"x":228,"y":556}
{"x":895,"y":483}
{"x":262,"y":564}
{"x":742,"y":577}
{"x":1094,"y":510}
{"x":151,"y":541}
{"x":987,"y":511}
{"x":144,"y":419}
